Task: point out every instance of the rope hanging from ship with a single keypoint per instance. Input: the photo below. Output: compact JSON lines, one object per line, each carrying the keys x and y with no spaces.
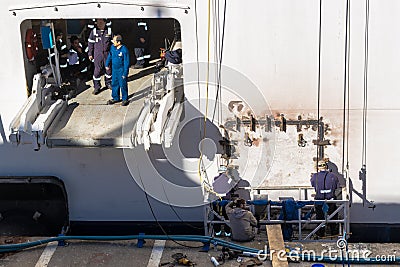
{"x":171,"y":207}
{"x":346,"y":107}
{"x":142,"y":183}
{"x":319,"y":78}
{"x":219,"y":53}
{"x":365,"y":93}
{"x":200,"y":163}
{"x":205,"y":182}
{"x":363,"y":171}
{"x":219,"y":59}
{"x":155,"y":217}
{"x":346,"y":94}
{"x":362,"y":175}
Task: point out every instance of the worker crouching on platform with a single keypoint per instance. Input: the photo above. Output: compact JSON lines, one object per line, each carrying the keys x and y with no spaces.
{"x":241,"y":221}
{"x":325,"y":183}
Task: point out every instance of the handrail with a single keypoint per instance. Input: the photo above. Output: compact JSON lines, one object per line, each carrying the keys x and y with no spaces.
{"x":277,"y":205}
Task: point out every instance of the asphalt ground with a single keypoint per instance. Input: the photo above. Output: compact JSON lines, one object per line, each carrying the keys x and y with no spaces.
{"x":126,"y":253}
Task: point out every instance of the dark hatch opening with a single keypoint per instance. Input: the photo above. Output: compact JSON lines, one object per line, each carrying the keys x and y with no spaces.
{"x":32,"y":206}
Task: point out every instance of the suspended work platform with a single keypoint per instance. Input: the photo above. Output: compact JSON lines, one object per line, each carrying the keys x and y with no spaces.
{"x":299,"y":223}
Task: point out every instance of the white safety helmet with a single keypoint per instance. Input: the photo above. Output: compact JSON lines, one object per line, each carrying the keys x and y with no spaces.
{"x":322,"y":165}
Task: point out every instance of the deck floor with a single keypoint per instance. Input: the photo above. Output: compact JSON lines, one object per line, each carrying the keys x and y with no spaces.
{"x":89,"y":122}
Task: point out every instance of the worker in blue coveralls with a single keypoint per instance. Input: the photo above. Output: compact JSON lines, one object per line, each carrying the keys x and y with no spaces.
{"x":325,"y":183}
{"x":99,"y":43}
{"x":119,"y":57}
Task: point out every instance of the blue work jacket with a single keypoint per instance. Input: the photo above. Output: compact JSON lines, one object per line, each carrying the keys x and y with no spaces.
{"x":119,"y":59}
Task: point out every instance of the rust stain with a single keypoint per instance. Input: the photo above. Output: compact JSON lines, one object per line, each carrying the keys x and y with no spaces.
{"x":239,"y":108}
{"x":256,"y":142}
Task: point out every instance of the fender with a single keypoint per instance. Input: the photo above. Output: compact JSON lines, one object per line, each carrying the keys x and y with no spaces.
{"x":31,"y":45}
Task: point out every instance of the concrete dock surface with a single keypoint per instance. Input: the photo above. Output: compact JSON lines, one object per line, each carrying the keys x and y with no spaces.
{"x":155,"y":252}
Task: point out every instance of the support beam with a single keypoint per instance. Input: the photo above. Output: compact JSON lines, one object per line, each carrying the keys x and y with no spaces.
{"x":276,"y":246}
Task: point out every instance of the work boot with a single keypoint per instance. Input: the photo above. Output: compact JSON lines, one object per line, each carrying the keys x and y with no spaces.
{"x":109,"y":86}
{"x":96,"y":91}
{"x":112,"y":101}
{"x":125,"y":102}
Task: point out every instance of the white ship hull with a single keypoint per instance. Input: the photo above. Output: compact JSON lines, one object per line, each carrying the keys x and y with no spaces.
{"x":269,"y":46}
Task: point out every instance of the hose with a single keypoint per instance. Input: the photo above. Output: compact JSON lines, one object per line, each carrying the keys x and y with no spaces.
{"x":195,"y":238}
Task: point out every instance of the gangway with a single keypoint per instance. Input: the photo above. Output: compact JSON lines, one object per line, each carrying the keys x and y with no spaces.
{"x":86,"y":120}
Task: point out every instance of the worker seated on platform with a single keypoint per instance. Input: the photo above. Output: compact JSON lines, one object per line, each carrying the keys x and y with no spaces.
{"x":78,"y":61}
{"x":325,"y":184}
{"x":241,"y":220}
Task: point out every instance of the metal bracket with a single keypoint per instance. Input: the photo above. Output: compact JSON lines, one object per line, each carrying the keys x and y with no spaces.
{"x":206,"y":247}
{"x":61,"y":243}
{"x":141,"y":241}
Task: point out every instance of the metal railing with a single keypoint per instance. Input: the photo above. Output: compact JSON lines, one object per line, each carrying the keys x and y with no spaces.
{"x":306,"y":227}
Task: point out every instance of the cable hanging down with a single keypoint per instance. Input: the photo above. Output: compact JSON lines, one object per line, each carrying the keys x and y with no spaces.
{"x":365,"y":93}
{"x":219,"y":53}
{"x":363,"y":172}
{"x":200,"y":167}
{"x":205,"y":183}
{"x":200,"y":163}
{"x":155,"y":217}
{"x":198,"y":63}
{"x":346,"y":90}
{"x":319,"y":79}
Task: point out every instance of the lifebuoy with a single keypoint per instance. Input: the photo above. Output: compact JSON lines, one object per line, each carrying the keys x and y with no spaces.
{"x":31,"y":45}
